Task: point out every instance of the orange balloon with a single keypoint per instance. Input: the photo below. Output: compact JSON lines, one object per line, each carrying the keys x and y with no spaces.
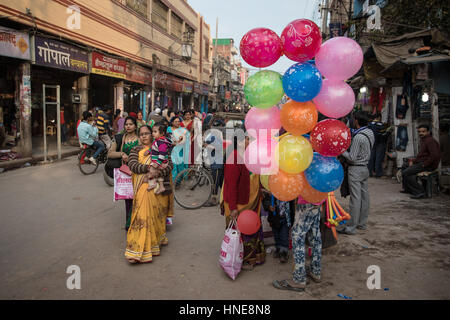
{"x":299,"y":118}
{"x":309,"y":193}
{"x":286,"y":187}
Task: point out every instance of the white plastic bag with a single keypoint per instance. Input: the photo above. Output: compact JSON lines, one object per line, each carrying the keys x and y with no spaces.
{"x":232,"y":251}
{"x":123,"y":186}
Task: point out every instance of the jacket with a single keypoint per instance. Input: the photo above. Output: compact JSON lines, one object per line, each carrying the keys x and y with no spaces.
{"x":87,"y":133}
{"x":429,"y":153}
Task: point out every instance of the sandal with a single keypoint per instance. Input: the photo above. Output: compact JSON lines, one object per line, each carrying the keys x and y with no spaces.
{"x":247,"y":267}
{"x":284,"y":285}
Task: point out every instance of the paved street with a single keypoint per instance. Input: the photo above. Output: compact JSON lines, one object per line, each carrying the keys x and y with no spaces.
{"x":53,"y":217}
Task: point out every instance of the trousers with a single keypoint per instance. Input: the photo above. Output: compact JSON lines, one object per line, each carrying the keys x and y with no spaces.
{"x":409,"y":179}
{"x":307,"y":223}
{"x":376,"y":159}
{"x":358,"y":180}
{"x":281,"y":235}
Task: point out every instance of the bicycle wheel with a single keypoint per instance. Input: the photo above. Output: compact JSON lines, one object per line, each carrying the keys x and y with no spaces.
{"x":193,"y":188}
{"x":86,"y":167}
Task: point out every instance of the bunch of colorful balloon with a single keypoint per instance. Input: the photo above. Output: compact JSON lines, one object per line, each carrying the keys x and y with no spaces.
{"x":298,"y":171}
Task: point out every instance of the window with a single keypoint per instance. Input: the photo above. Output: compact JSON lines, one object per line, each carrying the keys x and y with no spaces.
{"x":159,"y":14}
{"x":140,"y":6}
{"x":190,"y":33}
{"x":176,"y":28}
{"x":206,"y":49}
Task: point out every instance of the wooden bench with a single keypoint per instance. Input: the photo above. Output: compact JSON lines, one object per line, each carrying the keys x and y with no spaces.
{"x":430,"y":181}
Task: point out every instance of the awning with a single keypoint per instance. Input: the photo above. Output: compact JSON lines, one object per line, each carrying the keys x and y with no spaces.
{"x":425,"y":59}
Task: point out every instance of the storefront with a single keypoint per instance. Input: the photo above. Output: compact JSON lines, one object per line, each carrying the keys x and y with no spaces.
{"x":56,"y":64}
{"x":14,"y":51}
{"x":137,"y":90}
{"x":106,"y":85}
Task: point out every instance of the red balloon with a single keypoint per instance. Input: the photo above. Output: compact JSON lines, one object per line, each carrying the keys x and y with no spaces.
{"x":330,"y":137}
{"x":261,"y":47}
{"x":301,"y":40}
{"x":248,"y":222}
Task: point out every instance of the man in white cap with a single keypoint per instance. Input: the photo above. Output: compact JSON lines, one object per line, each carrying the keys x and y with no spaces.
{"x":156,"y":115}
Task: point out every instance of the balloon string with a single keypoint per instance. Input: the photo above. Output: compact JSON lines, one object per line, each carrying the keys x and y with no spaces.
{"x":282,"y":136}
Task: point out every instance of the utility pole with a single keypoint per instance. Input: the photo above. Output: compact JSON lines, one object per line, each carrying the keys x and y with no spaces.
{"x":215,"y":66}
{"x":325,"y":11}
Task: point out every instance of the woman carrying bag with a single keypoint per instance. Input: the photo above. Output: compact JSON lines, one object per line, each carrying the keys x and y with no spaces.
{"x":118,"y":156}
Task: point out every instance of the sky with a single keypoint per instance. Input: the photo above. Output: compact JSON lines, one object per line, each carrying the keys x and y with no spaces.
{"x":237,"y":17}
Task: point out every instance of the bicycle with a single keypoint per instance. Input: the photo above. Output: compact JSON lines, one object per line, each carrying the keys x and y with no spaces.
{"x":87,"y":167}
{"x":193,"y":187}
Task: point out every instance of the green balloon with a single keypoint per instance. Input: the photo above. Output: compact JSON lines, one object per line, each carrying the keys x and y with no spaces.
{"x":264,"y":89}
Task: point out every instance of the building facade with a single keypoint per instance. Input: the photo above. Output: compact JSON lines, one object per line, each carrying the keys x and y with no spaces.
{"x":100,"y":53}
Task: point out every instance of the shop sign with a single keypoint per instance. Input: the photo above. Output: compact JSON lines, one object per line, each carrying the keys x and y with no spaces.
{"x":109,"y":67}
{"x":55,"y":54}
{"x":188,"y":86}
{"x":161,"y":80}
{"x":205,"y":89}
{"x":335,"y":30}
{"x":14,"y":44}
{"x":175,"y":84}
{"x":138,"y":74}
{"x":197,"y":88}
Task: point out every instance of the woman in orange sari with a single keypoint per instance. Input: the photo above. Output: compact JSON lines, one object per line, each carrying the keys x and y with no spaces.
{"x":147,"y":232}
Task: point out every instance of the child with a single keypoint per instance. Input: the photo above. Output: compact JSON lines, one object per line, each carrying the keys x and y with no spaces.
{"x":160,"y":158}
{"x":308,"y":219}
{"x":280,"y":217}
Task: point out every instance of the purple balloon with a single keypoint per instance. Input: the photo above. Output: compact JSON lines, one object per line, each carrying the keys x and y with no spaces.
{"x":339,"y":58}
{"x":336,"y":99}
{"x":257,"y":119}
{"x":259,"y":157}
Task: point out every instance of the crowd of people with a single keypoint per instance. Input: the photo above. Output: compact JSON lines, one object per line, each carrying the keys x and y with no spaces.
{"x":145,"y":147}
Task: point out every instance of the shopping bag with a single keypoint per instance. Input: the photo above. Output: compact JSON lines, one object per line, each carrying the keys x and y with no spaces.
{"x":123,"y":185}
{"x":232,"y":251}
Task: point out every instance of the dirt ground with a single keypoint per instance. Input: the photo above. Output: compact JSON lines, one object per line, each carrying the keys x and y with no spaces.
{"x":53,"y":217}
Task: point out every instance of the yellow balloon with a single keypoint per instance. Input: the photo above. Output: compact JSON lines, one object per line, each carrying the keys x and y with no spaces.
{"x":294,"y":154}
{"x":265,"y":181}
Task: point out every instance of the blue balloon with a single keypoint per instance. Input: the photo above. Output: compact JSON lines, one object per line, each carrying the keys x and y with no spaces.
{"x":325,"y":174}
{"x":302,"y":82}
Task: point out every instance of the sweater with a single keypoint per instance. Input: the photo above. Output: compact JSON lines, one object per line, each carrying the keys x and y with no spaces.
{"x":360,"y":148}
{"x":429,"y":153}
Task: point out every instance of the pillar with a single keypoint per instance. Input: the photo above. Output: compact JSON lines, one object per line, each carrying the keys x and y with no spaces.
{"x":23,"y":85}
{"x":118,"y":96}
{"x":83,"y":91}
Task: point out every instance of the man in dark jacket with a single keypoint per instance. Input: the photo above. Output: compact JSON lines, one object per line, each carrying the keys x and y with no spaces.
{"x":381,"y":132}
{"x":427,"y":160}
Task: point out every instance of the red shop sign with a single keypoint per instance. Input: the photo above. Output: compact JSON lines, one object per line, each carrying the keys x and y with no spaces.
{"x":107,"y":66}
{"x":139,"y":74}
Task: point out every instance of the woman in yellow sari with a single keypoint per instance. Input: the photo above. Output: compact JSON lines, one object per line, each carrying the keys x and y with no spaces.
{"x":147,"y":230}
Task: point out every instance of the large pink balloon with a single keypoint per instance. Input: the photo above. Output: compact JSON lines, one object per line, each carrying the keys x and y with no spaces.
{"x":259,"y":157}
{"x":301,"y":40}
{"x":339,"y":58}
{"x":263,"y":122}
{"x":261,"y":47}
{"x":336,"y":99}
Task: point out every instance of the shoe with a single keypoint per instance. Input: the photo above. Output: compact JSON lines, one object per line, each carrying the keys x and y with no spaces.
{"x":345,"y":231}
{"x":284,"y":285}
{"x":276,"y":253}
{"x":419,"y":196}
{"x":92,"y":160}
{"x":312,"y":276}
{"x":363,"y":227}
{"x":284,"y":257}
{"x":403,"y":191}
